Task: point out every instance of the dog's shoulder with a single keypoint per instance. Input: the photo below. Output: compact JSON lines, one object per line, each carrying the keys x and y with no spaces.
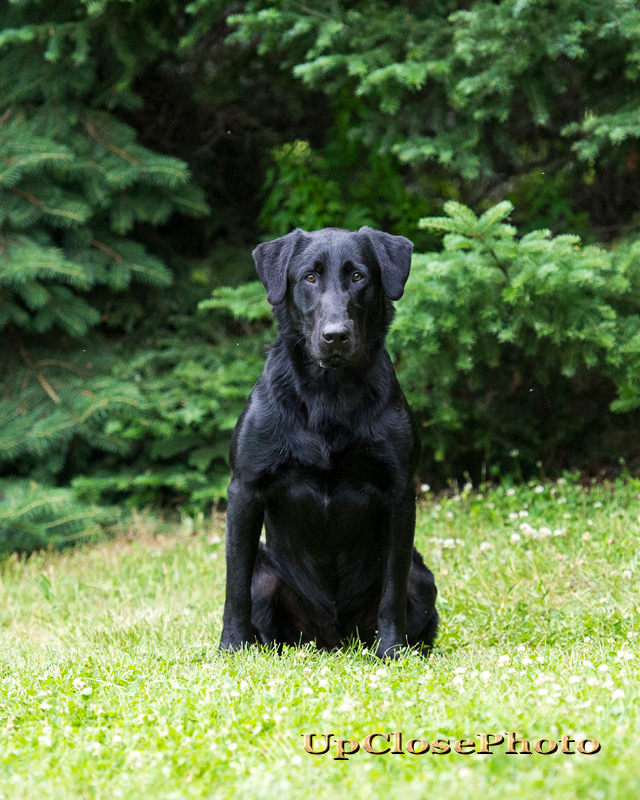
{"x":271,"y":429}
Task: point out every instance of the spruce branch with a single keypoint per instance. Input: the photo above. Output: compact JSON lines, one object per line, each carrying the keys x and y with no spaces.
{"x":41,"y":204}
{"x":42,"y":380}
{"x":117,"y":150}
{"x":108,"y":250}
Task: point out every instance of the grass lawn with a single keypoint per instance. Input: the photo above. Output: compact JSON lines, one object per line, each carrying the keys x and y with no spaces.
{"x":111,"y":686}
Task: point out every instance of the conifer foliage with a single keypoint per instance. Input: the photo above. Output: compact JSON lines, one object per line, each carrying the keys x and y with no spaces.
{"x":74,"y":184}
{"x":516,"y":337}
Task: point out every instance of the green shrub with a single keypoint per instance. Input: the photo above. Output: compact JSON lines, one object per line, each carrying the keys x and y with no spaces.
{"x":32,"y":516}
{"x":508,"y":345}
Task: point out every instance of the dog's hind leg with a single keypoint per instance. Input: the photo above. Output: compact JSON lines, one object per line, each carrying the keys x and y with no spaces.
{"x":265,"y":585}
{"x":279,"y":615}
{"x":422,"y":617}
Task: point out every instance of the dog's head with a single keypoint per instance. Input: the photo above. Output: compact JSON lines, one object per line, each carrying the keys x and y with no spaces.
{"x":334,"y":284}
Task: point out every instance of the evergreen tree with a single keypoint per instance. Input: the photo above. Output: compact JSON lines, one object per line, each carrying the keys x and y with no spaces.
{"x":525,"y":99}
{"x":75,"y":185}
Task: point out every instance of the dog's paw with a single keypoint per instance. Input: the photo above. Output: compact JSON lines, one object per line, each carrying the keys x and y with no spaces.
{"x":235,"y":642}
{"x":391,"y":651}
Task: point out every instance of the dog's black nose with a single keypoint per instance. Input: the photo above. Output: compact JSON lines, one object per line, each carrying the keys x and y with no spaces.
{"x":335,"y":335}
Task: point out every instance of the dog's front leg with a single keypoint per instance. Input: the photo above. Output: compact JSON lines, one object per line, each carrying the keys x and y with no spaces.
{"x":245,"y":512}
{"x":392,"y":611}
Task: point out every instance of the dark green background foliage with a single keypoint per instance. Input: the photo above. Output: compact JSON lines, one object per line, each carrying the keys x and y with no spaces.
{"x":145,"y":149}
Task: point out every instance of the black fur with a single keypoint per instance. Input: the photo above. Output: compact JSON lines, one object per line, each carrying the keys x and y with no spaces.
{"x":324,"y":455}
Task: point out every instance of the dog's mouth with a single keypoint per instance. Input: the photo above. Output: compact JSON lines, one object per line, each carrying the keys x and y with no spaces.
{"x":334,"y":356}
{"x":333,"y":361}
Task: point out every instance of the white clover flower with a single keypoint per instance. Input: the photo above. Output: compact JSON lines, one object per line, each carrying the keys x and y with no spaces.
{"x":425,"y":487}
{"x":87,"y":691}
{"x":597,"y":505}
{"x":626,"y":574}
{"x":493,"y":505}
{"x":382,"y":672}
{"x":460,"y":670}
{"x":590,"y":523}
{"x":458,"y":680}
{"x":608,"y":684}
{"x":523,"y":514}
{"x":562,"y":500}
{"x":485,"y":676}
{"x":618,"y":694}
{"x":511,"y":492}
{"x":504,"y":659}
{"x":586,"y":536}
{"x":544,"y":532}
{"x":575,"y":679}
{"x":233,"y":746}
{"x":592,"y":681}
{"x":325,"y":671}
{"x":467,"y":487}
{"x":515,"y":537}
{"x":513,"y":515}
{"x":539,"y":489}
{"x":449,"y":515}
{"x":307,"y":690}
{"x":78,"y":683}
{"x":527,"y":661}
{"x":603,"y":668}
{"x":449,"y":543}
{"x":559,"y":531}
{"x":485,"y":546}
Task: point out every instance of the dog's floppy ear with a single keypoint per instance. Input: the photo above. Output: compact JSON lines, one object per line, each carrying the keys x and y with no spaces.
{"x":272,"y":262}
{"x":393,"y":254}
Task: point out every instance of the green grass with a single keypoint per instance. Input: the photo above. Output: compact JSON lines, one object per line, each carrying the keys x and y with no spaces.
{"x":111,"y":686}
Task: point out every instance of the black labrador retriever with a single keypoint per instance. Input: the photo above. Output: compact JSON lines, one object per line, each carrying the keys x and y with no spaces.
{"x":324,"y":455}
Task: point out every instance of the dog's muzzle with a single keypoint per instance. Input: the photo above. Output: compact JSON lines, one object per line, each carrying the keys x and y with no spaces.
{"x":335,"y":345}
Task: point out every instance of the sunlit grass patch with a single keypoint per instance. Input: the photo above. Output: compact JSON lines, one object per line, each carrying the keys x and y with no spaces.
{"x":111,"y":684}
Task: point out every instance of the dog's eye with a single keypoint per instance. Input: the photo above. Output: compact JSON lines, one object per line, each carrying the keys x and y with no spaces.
{"x":357,"y":276}
{"x":310,"y":277}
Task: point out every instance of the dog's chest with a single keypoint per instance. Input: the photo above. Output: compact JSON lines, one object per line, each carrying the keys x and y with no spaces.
{"x":347,"y":495}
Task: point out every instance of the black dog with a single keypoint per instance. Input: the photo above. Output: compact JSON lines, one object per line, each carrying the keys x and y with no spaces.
{"x":324,"y":454}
